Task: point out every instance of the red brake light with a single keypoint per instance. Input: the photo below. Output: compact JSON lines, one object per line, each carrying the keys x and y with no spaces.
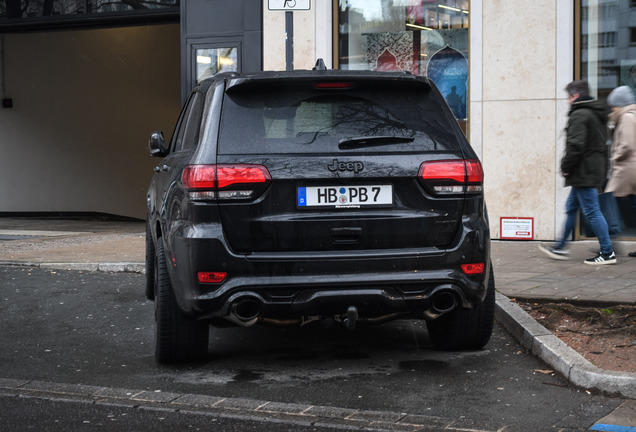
{"x":199,"y":177}
{"x":453,"y":176}
{"x":222,"y":176}
{"x":211,"y":277}
{"x":443,"y":170}
{"x":228,"y":175}
{"x":474,"y":171}
{"x":473,"y":269}
{"x":209,"y":182}
{"x":333,"y":85}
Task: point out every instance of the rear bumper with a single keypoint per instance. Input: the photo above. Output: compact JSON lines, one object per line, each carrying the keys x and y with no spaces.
{"x":373,"y":300}
{"x":291,"y":285}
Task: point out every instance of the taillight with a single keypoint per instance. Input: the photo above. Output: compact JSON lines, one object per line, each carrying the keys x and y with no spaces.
{"x":230,"y":175}
{"x":474,"y":176}
{"x":224,"y":181}
{"x":199,"y":177}
{"x":453,"y":176}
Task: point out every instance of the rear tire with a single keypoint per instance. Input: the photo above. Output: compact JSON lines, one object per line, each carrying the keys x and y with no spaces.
{"x":466,"y":329}
{"x":150,"y":264}
{"x":178,"y":338}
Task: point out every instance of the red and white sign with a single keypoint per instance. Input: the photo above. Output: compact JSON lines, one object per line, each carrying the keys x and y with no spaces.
{"x":516,"y":228}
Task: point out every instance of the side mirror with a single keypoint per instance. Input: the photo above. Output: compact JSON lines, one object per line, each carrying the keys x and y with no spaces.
{"x":157,"y":144}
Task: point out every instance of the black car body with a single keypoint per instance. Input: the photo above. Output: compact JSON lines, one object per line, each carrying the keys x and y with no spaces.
{"x":323,"y":195}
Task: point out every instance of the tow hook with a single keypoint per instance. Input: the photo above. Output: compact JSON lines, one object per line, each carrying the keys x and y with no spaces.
{"x":350,"y":317}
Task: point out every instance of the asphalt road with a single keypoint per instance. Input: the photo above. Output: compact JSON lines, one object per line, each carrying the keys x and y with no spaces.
{"x":97,"y":329}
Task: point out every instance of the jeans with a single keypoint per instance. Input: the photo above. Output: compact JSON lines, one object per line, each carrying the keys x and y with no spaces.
{"x":587,"y":200}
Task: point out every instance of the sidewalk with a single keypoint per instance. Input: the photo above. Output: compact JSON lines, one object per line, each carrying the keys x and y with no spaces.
{"x":77,"y":244}
{"x":522,"y":271}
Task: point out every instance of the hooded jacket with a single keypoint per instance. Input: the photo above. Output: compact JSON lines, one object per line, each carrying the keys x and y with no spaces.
{"x":585,"y":161}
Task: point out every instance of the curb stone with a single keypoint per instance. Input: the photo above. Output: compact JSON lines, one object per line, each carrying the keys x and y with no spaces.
{"x":122,"y":267}
{"x":237,"y":408}
{"x":565,"y":360}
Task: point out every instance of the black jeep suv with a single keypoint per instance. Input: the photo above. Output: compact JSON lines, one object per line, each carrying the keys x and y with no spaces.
{"x":324,"y":195}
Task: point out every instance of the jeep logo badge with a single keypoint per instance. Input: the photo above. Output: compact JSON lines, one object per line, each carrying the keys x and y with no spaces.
{"x":356,"y":167}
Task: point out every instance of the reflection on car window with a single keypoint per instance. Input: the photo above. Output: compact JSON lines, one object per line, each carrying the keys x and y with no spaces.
{"x":318,"y":123}
{"x":191,"y":136}
{"x":187,"y":132}
{"x":337,"y":117}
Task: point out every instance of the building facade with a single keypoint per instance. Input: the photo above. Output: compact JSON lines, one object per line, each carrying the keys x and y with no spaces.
{"x":84,"y":99}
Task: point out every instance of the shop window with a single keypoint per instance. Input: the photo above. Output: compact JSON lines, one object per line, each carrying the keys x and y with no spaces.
{"x":607,"y":58}
{"x":421,"y":36}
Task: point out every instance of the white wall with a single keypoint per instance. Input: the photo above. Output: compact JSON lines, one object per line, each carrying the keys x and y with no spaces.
{"x":312,"y":36}
{"x":85,"y":103}
{"x":520,"y":64}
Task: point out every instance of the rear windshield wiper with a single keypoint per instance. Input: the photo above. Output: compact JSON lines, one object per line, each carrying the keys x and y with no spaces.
{"x":370,"y":141}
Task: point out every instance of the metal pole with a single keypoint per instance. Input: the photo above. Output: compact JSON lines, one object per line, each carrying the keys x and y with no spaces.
{"x":289,"y":40}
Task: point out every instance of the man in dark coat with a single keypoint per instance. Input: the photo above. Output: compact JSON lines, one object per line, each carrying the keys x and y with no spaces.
{"x":584,"y":167}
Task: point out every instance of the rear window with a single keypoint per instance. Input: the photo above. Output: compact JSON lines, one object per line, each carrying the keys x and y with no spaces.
{"x":301,"y":119}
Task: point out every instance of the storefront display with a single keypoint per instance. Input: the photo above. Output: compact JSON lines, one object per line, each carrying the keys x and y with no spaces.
{"x":422,"y":36}
{"x":607,"y":58}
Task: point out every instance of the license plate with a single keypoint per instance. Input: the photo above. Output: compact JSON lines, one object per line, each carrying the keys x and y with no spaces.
{"x":345,"y":196}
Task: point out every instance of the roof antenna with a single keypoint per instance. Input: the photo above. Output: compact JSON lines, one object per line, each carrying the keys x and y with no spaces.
{"x":320,"y":65}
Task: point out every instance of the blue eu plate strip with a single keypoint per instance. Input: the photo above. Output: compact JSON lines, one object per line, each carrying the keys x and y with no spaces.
{"x":302,"y":196}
